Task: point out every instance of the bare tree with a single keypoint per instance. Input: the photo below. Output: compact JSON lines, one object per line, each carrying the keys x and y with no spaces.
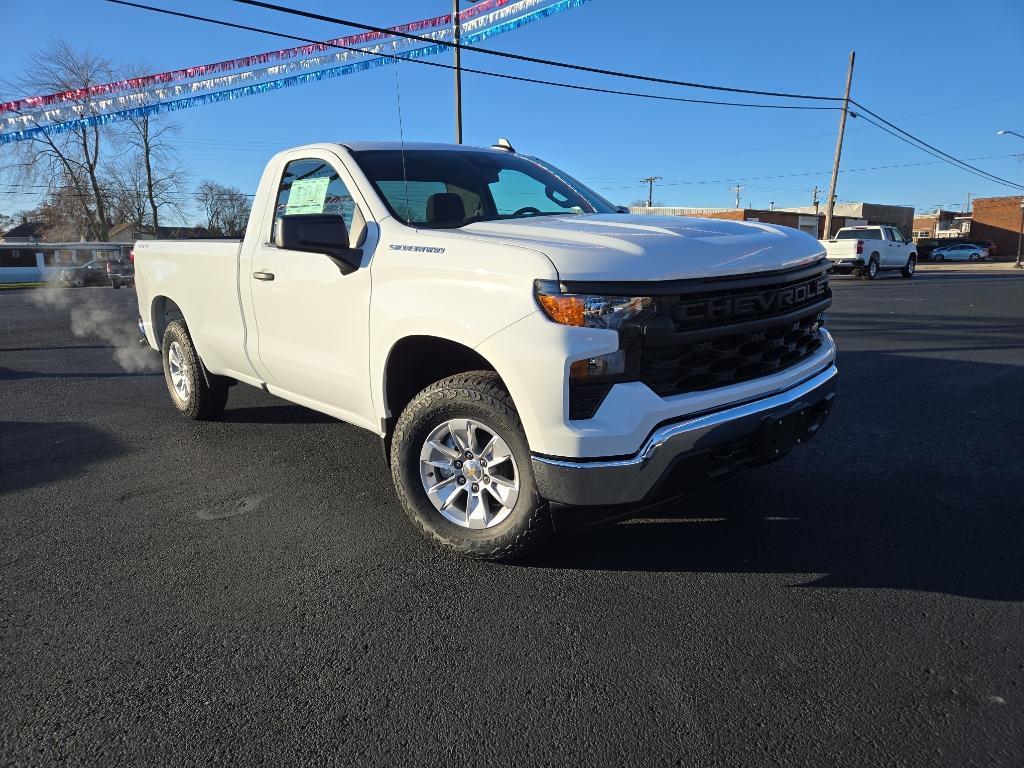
{"x":63,"y":217}
{"x":127,"y":189}
{"x":70,"y":164}
{"x":6,"y":222}
{"x":226,"y":208}
{"x":151,"y":142}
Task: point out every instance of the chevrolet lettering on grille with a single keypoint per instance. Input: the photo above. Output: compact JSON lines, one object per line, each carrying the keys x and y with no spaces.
{"x":756,"y":304}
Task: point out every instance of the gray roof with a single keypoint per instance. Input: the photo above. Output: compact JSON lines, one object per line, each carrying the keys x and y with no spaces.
{"x":27,"y":229}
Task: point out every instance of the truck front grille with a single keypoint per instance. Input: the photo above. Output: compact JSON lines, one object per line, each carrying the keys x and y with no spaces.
{"x":733,"y":331}
{"x":714,"y":332}
{"x":700,"y":365}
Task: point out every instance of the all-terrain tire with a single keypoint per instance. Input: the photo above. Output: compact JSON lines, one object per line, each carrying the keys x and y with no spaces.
{"x":477,"y":395}
{"x":207,"y":394}
{"x":909,"y":268}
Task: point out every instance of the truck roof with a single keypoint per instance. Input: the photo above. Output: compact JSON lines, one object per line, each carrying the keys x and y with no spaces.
{"x":364,"y":146}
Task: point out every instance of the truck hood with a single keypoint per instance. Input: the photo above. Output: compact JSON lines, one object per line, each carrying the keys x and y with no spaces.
{"x":611,"y":247}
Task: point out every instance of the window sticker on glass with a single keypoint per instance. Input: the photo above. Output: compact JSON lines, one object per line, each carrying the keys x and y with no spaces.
{"x":307,"y":196}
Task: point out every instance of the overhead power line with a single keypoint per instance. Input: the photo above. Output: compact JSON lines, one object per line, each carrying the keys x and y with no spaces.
{"x":913,"y":141}
{"x":630,"y":75}
{"x":530,"y":59}
{"x":441,"y":65}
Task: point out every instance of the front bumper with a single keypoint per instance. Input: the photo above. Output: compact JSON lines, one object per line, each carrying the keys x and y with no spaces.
{"x":707,"y":446}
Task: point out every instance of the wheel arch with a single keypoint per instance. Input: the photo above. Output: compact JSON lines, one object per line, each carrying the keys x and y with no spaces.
{"x":415,"y":362}
{"x":163,"y":311}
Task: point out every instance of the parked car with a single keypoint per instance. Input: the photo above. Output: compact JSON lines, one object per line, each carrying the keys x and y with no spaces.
{"x":926,"y":246}
{"x":121,"y":273}
{"x":961,"y":252}
{"x":988,"y":245}
{"x":90,"y":273}
{"x":527,"y":355}
{"x":867,"y":250}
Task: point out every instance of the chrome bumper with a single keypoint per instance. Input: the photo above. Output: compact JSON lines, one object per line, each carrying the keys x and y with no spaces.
{"x":602,"y":482}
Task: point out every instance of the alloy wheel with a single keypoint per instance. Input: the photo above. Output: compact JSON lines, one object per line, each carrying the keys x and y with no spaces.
{"x":178,"y":370}
{"x":469,"y":473}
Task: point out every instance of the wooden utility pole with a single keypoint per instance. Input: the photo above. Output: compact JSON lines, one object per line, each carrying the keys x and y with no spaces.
{"x":458,"y":73}
{"x":830,"y":201}
{"x":649,"y":181}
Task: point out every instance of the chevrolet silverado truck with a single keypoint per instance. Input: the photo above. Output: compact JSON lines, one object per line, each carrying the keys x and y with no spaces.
{"x":527,"y":354}
{"x":867,"y":250}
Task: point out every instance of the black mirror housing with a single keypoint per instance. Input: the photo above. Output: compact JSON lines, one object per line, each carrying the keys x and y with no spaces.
{"x":318,"y":233}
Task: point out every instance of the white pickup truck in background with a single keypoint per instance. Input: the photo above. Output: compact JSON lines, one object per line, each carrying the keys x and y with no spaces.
{"x":867,"y":250}
{"x":528,"y":354}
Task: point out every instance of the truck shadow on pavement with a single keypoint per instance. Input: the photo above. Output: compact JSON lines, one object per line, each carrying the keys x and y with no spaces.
{"x":6,"y":374}
{"x":275,"y":414}
{"x":915,"y":483}
{"x":42,"y":453}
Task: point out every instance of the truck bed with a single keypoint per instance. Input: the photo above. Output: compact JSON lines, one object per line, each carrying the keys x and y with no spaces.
{"x":200,"y":275}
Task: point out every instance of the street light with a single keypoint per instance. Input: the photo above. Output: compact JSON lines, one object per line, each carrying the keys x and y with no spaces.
{"x":1020,"y":235}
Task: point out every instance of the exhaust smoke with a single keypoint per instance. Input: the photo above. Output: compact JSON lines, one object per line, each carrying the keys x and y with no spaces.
{"x":95,"y":313}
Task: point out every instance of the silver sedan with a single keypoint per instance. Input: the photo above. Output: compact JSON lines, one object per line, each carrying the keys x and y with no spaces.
{"x":960,"y":252}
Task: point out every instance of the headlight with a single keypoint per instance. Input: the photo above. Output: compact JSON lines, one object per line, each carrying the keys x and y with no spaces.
{"x":592,"y":311}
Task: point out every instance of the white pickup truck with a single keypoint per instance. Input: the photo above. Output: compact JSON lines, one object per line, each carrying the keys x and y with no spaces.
{"x":867,"y":250}
{"x":530,"y":356}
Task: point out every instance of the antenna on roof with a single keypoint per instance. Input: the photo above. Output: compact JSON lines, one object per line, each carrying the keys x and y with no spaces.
{"x":504,"y":145}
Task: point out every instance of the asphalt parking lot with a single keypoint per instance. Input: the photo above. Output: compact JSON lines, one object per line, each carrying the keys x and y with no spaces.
{"x":249,"y":591}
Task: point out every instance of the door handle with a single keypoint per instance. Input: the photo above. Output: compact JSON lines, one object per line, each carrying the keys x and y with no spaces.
{"x":263,"y":275}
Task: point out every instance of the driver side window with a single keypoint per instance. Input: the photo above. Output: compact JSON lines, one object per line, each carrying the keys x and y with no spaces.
{"x":312,"y":186}
{"x":515,"y":190}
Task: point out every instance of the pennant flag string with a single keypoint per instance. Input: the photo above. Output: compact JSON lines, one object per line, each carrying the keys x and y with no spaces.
{"x":121,"y":103}
{"x":173,"y":103}
{"x":138,"y":83}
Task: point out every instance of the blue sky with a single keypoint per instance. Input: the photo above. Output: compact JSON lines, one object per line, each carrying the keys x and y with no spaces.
{"x":948,"y":72}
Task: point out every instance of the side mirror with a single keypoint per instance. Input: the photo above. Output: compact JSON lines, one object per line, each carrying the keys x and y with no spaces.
{"x":318,"y":233}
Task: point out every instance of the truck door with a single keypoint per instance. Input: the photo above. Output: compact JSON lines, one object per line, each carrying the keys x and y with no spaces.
{"x":892,"y":255}
{"x":312,"y":321}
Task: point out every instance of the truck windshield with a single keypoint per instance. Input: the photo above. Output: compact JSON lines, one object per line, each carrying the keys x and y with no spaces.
{"x":452,"y":188}
{"x":859,"y":234}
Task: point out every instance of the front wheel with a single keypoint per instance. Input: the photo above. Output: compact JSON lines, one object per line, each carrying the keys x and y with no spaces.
{"x":461,"y":465}
{"x":197,"y":395}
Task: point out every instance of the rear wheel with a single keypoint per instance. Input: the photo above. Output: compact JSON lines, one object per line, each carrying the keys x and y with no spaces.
{"x":938,"y":257}
{"x":911,"y":265}
{"x":78,"y":282}
{"x":197,"y":394}
{"x":461,"y":465}
{"x":870,"y":272}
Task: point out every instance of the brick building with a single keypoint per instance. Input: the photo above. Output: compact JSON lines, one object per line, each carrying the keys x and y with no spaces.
{"x":941,"y":224}
{"x":858,"y":214}
{"x":998,"y":219}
